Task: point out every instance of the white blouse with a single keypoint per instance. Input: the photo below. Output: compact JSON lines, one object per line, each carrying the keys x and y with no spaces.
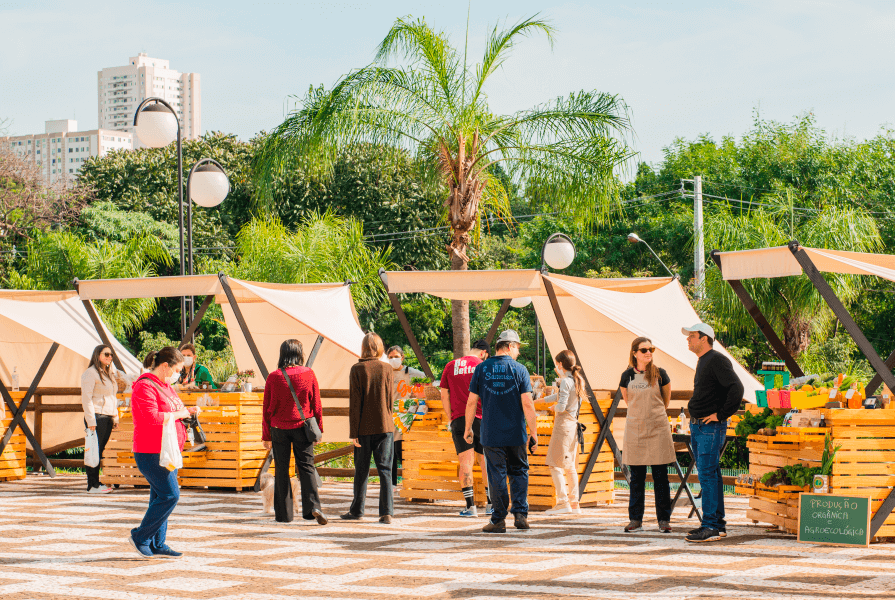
{"x":98,"y":396}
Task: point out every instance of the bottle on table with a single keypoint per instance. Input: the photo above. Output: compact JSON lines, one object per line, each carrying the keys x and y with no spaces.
{"x":15,"y":379}
{"x":679,"y":426}
{"x":685,"y":423}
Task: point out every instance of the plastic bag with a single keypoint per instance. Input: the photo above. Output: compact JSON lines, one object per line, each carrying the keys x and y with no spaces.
{"x":91,"y":448}
{"x":170,"y":456}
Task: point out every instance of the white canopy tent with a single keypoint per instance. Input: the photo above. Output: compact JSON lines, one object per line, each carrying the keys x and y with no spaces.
{"x":272,"y":313}
{"x":603,"y":316}
{"x":30,"y":323}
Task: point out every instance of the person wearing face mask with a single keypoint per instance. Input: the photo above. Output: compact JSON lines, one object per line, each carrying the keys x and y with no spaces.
{"x":98,"y":389}
{"x":562,"y":452}
{"x":153,"y":404}
{"x":402,"y":375}
{"x":194,"y":375}
{"x":646,"y":390}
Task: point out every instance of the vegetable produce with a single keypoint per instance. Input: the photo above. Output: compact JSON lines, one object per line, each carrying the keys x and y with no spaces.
{"x":751,"y":423}
{"x":798,"y":475}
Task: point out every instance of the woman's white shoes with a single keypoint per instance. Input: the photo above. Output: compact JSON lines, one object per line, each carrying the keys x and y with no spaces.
{"x":560,"y":509}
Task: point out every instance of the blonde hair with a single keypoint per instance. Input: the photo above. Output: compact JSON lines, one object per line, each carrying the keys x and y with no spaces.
{"x":566,"y":360}
{"x":372,"y":346}
{"x":651,"y":371}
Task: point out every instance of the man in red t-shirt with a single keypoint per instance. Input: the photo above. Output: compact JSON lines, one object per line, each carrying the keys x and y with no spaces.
{"x":454,"y":393}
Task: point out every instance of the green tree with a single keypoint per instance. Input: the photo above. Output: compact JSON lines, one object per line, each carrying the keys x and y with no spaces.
{"x":324,"y":248}
{"x":435,"y":105}
{"x":55,"y":259}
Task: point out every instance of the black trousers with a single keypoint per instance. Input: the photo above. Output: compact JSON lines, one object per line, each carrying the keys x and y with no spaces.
{"x":380,"y":447}
{"x":285,"y":443}
{"x":636,"y":501}
{"x":104,"y":425}
{"x":398,"y":457}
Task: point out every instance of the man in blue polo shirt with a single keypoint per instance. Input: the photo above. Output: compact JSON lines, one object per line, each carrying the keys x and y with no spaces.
{"x":504,"y":387}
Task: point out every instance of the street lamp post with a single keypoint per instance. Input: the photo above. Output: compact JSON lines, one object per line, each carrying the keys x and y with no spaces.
{"x":557,"y":253}
{"x":635,"y":239}
{"x":156,"y":125}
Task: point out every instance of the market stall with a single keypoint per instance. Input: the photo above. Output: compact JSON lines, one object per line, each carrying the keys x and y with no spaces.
{"x":259,"y":317}
{"x":864,"y":463}
{"x":46,"y":341}
{"x":596,"y":319}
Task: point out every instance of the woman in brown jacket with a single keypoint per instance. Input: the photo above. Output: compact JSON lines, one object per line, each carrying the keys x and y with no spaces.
{"x":370,"y":391}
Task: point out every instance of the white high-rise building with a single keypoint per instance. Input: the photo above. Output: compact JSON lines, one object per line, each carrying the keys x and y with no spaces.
{"x":121,"y":89}
{"x":61,"y":151}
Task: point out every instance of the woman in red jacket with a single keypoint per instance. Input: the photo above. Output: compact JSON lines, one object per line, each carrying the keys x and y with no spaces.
{"x":283,"y":430}
{"x":153,"y":403}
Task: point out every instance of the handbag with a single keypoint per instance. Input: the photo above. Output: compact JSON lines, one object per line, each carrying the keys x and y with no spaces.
{"x":311,"y":426}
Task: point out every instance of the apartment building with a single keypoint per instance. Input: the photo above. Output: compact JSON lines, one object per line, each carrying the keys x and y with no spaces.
{"x":61,"y":150}
{"x":121,"y":89}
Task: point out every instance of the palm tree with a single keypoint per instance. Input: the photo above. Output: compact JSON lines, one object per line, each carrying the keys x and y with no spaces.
{"x":323,"y":248}
{"x":791,"y":304}
{"x":55,"y":259}
{"x":434,"y":105}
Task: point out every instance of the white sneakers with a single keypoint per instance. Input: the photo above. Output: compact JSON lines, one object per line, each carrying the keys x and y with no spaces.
{"x":102,"y":489}
{"x":560,"y":509}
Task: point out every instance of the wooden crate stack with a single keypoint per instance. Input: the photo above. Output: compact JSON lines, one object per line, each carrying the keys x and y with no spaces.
{"x":865,"y":462}
{"x":430,"y":461}
{"x":234,"y":451}
{"x":791,"y":446}
{"x":12,"y":460}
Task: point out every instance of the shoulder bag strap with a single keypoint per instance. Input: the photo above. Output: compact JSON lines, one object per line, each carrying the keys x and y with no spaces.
{"x":294,"y":395}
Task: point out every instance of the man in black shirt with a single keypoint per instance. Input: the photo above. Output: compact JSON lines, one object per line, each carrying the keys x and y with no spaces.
{"x":717,"y":392}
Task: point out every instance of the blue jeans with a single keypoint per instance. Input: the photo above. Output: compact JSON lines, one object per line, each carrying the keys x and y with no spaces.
{"x":506,"y":461}
{"x":708,"y":441}
{"x":163,"y":496}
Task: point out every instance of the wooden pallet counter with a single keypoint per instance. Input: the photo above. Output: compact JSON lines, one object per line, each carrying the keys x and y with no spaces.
{"x":12,"y":460}
{"x":430,"y":462}
{"x":864,"y":464}
{"x":234,"y":452}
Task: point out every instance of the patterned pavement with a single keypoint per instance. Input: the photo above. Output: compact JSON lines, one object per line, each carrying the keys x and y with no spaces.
{"x":58,"y":542}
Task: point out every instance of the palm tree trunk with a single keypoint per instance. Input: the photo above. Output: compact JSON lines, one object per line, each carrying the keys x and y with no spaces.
{"x":460,"y":314}
{"x":796,"y":334}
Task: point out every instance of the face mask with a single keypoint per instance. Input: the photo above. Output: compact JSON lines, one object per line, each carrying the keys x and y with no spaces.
{"x":187,"y":361}
{"x":560,"y":372}
{"x":395,"y":362}
{"x":174,"y":377}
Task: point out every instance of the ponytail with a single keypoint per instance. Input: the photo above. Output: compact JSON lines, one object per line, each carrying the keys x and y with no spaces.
{"x":567,"y":359}
{"x":168,"y":355}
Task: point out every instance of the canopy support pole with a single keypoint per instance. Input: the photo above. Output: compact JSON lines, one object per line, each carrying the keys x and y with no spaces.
{"x":497,"y":320}
{"x":195,"y":322}
{"x":877,"y":380}
{"x":405,"y":324}
{"x":98,"y":325}
{"x":18,"y":413}
{"x":749,"y":304}
{"x":313,"y":355}
{"x":882,"y":371}
{"x":605,"y":433}
{"x":242,"y":325}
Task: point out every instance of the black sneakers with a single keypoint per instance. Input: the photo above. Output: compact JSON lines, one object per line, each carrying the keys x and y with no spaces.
{"x":722,"y":531}
{"x":704,"y":534}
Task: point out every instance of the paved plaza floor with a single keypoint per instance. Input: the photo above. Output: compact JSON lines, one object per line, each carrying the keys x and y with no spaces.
{"x":56,"y":541}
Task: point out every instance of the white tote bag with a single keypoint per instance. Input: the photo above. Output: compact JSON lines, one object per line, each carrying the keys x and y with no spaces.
{"x":91,"y":448}
{"x":170,"y":456}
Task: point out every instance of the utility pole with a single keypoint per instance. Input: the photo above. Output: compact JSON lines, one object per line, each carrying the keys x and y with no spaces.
{"x":698,"y":241}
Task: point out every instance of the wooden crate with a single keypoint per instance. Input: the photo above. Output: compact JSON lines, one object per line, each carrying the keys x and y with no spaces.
{"x":431,"y":468}
{"x":234,"y":452}
{"x":12,"y":461}
{"x":796,"y":445}
{"x":865,"y":462}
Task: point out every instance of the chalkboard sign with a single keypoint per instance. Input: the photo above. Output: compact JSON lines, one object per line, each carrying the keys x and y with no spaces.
{"x":830,"y":519}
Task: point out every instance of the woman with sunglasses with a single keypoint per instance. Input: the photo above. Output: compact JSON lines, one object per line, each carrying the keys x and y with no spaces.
{"x":646,"y":390}
{"x":98,"y":397}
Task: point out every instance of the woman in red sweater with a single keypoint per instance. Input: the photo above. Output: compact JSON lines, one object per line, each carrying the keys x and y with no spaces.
{"x":153,"y":403}
{"x":283,"y":430}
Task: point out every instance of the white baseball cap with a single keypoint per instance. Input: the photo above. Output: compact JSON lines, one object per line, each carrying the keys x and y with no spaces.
{"x":508,"y":336}
{"x":702,"y":327}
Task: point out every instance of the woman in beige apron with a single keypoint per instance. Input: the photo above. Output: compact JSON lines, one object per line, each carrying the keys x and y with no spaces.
{"x":562,"y":452}
{"x":646,"y":390}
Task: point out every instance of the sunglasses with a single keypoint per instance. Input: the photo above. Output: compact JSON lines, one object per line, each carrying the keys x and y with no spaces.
{"x":645,"y":350}
{"x":106,"y":354}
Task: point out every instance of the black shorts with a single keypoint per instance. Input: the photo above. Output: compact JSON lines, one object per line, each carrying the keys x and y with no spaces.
{"x":458,"y":428}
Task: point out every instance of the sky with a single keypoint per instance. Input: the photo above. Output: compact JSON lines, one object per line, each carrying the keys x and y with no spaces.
{"x":684,"y":68}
